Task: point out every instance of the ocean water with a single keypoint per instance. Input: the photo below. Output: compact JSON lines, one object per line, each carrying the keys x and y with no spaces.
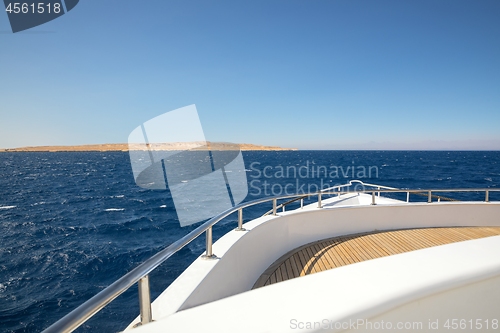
{"x":72,"y":223}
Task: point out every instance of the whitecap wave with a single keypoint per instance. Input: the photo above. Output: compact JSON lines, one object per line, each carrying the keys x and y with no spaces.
{"x":163,"y":206}
{"x":7,"y":207}
{"x":114,"y":209}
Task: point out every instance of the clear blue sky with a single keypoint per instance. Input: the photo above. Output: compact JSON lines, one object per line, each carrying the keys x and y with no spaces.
{"x":334,"y":74}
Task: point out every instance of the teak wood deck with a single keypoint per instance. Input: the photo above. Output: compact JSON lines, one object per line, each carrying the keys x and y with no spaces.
{"x":344,"y":250}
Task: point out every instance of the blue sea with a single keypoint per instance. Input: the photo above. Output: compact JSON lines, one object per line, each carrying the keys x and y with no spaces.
{"x":72,"y":223}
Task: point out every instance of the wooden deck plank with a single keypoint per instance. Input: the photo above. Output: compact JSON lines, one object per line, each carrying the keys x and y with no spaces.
{"x":379,"y":245}
{"x":400,"y":242}
{"x":466,"y":232}
{"x":327,"y":247}
{"x":448,"y":236}
{"x":309,"y":253}
{"x":289,"y":271}
{"x":279,"y":277}
{"x":411,"y":240}
{"x":349,"y":249}
{"x":345,"y":257}
{"x":389,"y":246}
{"x":332,"y":255}
{"x":295,"y":267}
{"x":325,"y":258}
{"x":273,"y":278}
{"x":306,"y":254}
{"x":303,"y":263}
{"x":318,"y":258}
{"x":367,"y":246}
{"x":428,"y":239}
{"x":361,"y":250}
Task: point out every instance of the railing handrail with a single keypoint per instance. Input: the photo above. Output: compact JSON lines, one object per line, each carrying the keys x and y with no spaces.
{"x":404,"y":190}
{"x":351,"y":183}
{"x":78,"y":316}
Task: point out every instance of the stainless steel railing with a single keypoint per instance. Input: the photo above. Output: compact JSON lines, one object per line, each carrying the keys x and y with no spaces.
{"x":140,"y":274}
{"x":326,"y":190}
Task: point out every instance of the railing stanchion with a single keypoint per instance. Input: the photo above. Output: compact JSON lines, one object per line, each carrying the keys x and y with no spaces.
{"x":487,"y":196}
{"x":379,"y":192}
{"x":408,"y":196}
{"x":429,"y":197}
{"x":240,"y":220}
{"x":319,"y":199}
{"x":274,"y":206}
{"x":301,"y":203}
{"x":209,"y":254}
{"x":145,"y":300}
{"x":373,"y":198}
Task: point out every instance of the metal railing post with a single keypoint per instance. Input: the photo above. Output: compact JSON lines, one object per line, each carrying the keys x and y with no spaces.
{"x":319,"y":200}
{"x":487,"y":196}
{"x":209,"y":254}
{"x":145,"y":300}
{"x":274,"y":206}
{"x":429,"y":197}
{"x":408,"y":196}
{"x":379,"y":192}
{"x":240,"y":220}
{"x":301,"y":203}
{"x":373,"y":198}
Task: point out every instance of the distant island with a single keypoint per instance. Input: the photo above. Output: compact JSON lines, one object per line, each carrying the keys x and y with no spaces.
{"x":163,"y":146}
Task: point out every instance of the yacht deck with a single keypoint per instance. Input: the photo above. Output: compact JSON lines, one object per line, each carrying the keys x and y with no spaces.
{"x":344,"y":250}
